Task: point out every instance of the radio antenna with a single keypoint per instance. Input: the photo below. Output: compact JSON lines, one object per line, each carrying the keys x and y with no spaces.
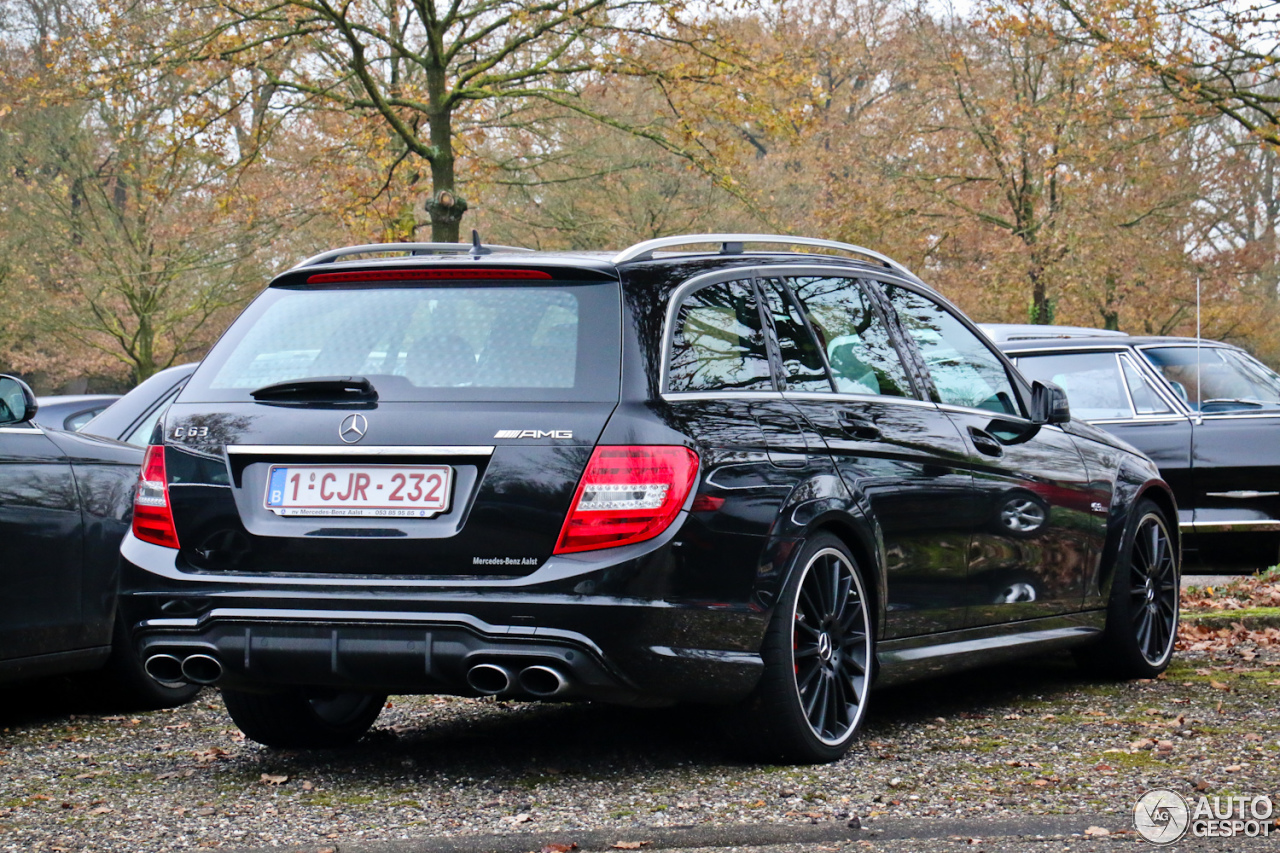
{"x":1199,"y":393}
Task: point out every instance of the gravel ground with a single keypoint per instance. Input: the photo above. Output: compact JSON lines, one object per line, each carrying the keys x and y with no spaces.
{"x":1028,"y":739}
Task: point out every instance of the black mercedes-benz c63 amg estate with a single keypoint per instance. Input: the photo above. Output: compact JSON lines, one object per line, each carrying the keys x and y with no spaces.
{"x":760,"y":474}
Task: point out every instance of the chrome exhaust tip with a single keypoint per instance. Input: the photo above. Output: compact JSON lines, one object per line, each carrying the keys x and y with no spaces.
{"x":543,"y":681}
{"x":201,"y":669}
{"x":165,"y":669}
{"x":489,"y":679}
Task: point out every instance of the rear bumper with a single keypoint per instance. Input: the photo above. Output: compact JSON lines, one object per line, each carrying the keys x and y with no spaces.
{"x":396,"y":636}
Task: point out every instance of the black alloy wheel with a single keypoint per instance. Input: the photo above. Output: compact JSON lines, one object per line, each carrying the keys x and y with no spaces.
{"x":1142,"y":613}
{"x":1153,"y":590}
{"x":818,"y":656}
{"x":832,"y":646}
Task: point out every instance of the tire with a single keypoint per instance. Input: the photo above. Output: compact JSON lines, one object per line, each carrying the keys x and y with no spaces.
{"x":303,"y":720}
{"x":1142,"y":611}
{"x":127,"y":684}
{"x":818,"y":656}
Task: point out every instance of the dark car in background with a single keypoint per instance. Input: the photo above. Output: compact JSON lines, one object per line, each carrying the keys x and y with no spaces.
{"x":760,"y":478}
{"x":70,"y":412}
{"x":66,"y":500}
{"x":1207,"y":413}
{"x":133,"y":418}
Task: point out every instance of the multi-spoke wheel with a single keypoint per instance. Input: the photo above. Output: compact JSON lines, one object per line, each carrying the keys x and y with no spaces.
{"x":818,"y":661}
{"x":1142,"y":616}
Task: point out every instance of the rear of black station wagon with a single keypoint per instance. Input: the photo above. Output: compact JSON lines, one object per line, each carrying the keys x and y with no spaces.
{"x":720,"y":477}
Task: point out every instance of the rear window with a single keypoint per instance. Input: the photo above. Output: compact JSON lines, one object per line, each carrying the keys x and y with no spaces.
{"x":415,"y":343}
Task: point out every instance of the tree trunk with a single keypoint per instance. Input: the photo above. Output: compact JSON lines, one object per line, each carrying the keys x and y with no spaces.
{"x":445,"y":206}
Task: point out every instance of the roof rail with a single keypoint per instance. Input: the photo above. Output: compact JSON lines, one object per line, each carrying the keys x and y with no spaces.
{"x":732,"y":244}
{"x":408,"y":248}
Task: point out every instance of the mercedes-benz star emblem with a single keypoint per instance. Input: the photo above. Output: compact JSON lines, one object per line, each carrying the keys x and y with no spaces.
{"x":353,"y":428}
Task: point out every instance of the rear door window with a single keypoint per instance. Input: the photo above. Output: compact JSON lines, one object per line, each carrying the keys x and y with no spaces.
{"x":718,"y":343}
{"x":853,"y":336}
{"x":1093,"y":382}
{"x":485,"y":342}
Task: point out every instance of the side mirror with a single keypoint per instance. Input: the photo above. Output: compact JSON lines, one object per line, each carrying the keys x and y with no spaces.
{"x":1049,"y":404}
{"x":17,"y":402}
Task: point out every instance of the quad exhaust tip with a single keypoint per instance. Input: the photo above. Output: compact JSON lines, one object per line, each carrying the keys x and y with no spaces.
{"x":201,"y":669}
{"x":543,"y":681}
{"x":489,"y":679}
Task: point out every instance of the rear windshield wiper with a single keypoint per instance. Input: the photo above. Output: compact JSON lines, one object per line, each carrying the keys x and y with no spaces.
{"x":325,"y":388}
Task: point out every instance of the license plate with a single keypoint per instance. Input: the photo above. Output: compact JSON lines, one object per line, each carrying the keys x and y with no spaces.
{"x":378,"y":491}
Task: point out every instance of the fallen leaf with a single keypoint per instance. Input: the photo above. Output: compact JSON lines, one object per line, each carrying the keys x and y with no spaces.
{"x":100,"y":810}
{"x":559,"y":848}
{"x":1097,"y":830}
{"x":274,"y":780}
{"x":1218,"y":685}
{"x":629,"y":845}
{"x":1234,"y":768}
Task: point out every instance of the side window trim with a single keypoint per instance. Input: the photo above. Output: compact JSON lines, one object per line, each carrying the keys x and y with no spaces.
{"x":771,"y":330}
{"x":917,"y":374}
{"x":1157,"y":384}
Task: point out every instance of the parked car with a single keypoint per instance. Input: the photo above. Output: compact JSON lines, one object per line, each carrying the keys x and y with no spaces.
{"x":134,"y":417}
{"x":756,"y":478}
{"x":70,"y":412}
{"x":1208,"y":413}
{"x":65,"y":503}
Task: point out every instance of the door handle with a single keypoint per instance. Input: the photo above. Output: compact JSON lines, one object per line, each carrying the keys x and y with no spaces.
{"x":985,"y":443}
{"x":855,"y":427}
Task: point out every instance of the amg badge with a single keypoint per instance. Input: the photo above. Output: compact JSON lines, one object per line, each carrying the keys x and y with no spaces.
{"x":533,"y":433}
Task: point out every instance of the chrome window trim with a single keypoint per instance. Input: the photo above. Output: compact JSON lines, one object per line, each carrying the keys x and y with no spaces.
{"x":841,"y":397}
{"x":685,"y":396}
{"x":356,"y":450}
{"x":1140,"y":419}
{"x":33,"y":429}
{"x":1241,"y":415}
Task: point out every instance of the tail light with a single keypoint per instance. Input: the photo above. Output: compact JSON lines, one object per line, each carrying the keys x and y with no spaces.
{"x":152,"y":516}
{"x":627,"y":494}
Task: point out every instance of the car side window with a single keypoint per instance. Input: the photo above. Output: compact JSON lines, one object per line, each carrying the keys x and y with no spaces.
{"x":802,"y":362}
{"x":718,"y":341}
{"x":964,"y":369}
{"x":1092,"y":381}
{"x":852,"y":335}
{"x":1145,"y":399}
